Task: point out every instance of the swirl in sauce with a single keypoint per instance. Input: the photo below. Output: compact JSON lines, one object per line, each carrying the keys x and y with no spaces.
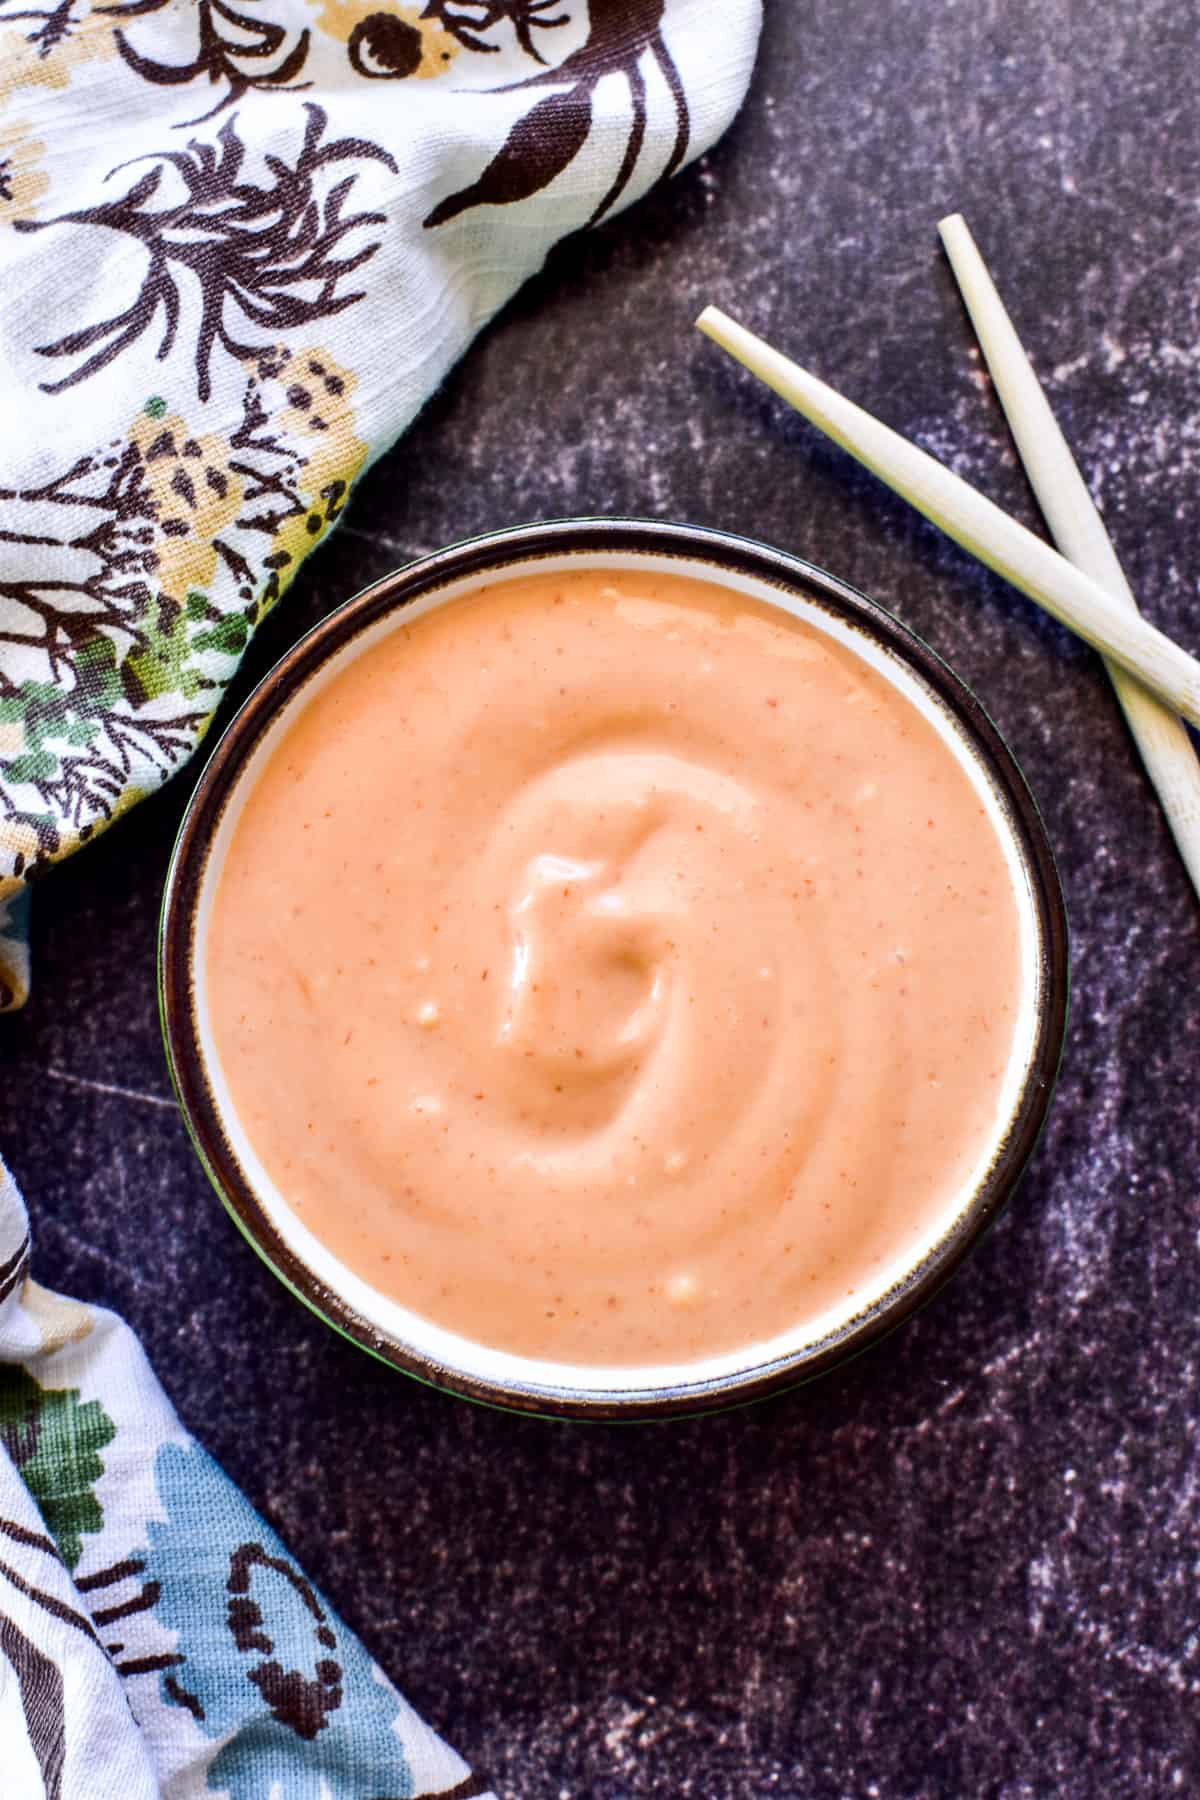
{"x":613,"y":969}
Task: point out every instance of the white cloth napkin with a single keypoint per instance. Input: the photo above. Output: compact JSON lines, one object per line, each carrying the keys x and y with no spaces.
{"x":155,"y":1635}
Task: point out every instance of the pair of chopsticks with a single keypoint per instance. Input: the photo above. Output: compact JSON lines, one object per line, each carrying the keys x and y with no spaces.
{"x":1084,"y":587}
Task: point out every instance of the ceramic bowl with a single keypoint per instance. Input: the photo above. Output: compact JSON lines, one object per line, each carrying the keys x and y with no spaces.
{"x":341,"y":1297}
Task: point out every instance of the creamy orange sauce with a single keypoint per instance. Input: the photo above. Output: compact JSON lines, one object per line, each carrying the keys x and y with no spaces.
{"x":612,"y":969}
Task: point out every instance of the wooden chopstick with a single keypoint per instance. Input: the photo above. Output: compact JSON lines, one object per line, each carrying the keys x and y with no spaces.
{"x":1167,"y":750}
{"x":975,"y":522}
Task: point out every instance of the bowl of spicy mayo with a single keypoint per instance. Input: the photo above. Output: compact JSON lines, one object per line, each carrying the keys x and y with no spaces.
{"x":612,"y":969}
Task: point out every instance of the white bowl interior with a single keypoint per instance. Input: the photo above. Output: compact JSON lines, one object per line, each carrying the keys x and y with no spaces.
{"x":392,"y":1322}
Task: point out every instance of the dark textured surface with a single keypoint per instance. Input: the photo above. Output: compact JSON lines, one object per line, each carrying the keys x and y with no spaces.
{"x":968,"y":1565}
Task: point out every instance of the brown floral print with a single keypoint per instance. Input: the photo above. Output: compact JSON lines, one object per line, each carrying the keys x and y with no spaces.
{"x":237,"y":297}
{"x":272,"y":253}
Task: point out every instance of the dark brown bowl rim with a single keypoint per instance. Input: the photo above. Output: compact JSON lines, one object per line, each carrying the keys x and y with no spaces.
{"x":488,"y":556}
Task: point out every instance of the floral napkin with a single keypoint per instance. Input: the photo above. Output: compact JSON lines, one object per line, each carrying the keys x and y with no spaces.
{"x":241,"y":242}
{"x":240,"y":245}
{"x":155,"y":1635}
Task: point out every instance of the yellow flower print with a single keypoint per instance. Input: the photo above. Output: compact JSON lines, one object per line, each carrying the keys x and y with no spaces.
{"x":22,"y":181}
{"x":318,"y":424}
{"x":45,"y":58}
{"x":19,"y":846}
{"x":59,"y":1321}
{"x":387,"y":42}
{"x":197,"y":497}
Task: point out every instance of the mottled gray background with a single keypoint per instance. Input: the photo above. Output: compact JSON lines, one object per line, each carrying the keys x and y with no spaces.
{"x":968,"y":1565}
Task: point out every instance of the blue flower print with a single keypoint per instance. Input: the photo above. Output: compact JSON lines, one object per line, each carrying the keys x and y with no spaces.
{"x":266,"y":1666}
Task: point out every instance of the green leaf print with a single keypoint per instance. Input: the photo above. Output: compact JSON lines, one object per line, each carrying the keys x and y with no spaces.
{"x":163,"y":665}
{"x":230,"y":635}
{"x":39,"y":765}
{"x":99,"y":686}
{"x":55,"y":1443}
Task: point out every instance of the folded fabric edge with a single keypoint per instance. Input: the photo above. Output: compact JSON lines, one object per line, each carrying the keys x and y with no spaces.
{"x":154,"y":1567}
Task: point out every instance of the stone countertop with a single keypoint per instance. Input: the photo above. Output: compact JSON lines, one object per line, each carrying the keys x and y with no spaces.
{"x":966,"y":1565}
